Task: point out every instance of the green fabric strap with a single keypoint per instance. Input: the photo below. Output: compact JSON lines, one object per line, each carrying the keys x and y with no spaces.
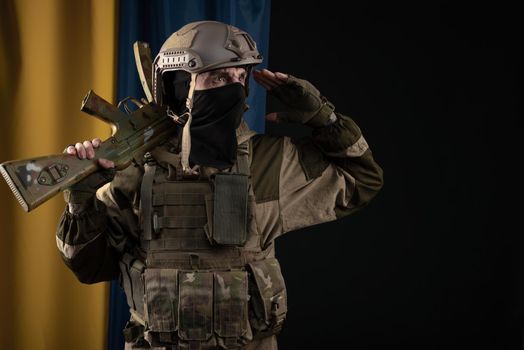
{"x":243,"y":153}
{"x":178,"y":222}
{"x":179,"y":199}
{"x":146,"y":202}
{"x":322,"y":118}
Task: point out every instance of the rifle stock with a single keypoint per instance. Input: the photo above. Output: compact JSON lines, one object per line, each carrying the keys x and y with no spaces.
{"x":33,"y":181}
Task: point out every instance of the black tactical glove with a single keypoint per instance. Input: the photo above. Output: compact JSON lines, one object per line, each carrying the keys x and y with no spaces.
{"x":307,"y":105}
{"x":81,"y":192}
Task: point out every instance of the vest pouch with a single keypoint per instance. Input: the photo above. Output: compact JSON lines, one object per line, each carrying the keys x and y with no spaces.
{"x":131,"y":281}
{"x":268,"y":296}
{"x":213,"y":302}
{"x":161,"y":287}
{"x":230,"y":209}
{"x":231,"y":307}
{"x":195,"y":313}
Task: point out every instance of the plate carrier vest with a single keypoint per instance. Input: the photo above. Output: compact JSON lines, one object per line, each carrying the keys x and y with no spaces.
{"x":203,"y":277}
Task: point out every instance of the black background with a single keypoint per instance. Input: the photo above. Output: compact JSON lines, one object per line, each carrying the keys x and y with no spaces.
{"x":433,"y":262}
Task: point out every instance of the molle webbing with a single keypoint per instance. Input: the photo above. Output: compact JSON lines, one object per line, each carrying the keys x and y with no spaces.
{"x":179,"y":216}
{"x":217,"y":258}
{"x":178,"y":222}
{"x":179,"y":199}
{"x":184,"y":215}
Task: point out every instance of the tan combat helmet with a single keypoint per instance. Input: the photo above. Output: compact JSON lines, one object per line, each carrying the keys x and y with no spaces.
{"x":203,"y":46}
{"x":198,"y":47}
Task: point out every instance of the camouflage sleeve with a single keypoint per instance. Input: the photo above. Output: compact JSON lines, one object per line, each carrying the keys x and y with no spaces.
{"x":326,"y":177}
{"x":91,"y":241}
{"x":344,"y":146}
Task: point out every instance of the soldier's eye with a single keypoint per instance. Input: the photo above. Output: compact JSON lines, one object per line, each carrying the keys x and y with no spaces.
{"x":220,"y":79}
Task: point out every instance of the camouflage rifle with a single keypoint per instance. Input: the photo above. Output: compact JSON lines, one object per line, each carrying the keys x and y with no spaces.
{"x":34,"y":181}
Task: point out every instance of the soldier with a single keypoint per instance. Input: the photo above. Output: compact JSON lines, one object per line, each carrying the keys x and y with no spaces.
{"x":189,"y":231}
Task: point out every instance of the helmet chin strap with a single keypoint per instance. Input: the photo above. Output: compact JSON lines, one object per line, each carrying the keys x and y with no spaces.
{"x":186,"y":135}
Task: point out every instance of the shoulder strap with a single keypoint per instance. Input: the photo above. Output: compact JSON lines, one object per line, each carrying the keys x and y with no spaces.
{"x":242,"y":166}
{"x":146,"y":200}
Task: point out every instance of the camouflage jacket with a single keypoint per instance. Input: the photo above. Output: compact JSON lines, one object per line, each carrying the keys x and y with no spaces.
{"x":296,"y":185}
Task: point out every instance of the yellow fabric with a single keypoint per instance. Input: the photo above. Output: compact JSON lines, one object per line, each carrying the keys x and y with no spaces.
{"x":51,"y":53}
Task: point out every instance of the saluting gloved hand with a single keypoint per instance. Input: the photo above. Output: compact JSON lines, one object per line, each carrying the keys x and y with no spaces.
{"x":80,"y":193}
{"x":307,"y":105}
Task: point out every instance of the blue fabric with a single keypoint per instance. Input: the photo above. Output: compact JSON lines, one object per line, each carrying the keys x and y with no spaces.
{"x":153,"y":22}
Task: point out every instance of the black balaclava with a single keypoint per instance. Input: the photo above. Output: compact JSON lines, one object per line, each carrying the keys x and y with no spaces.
{"x":217,"y":113}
